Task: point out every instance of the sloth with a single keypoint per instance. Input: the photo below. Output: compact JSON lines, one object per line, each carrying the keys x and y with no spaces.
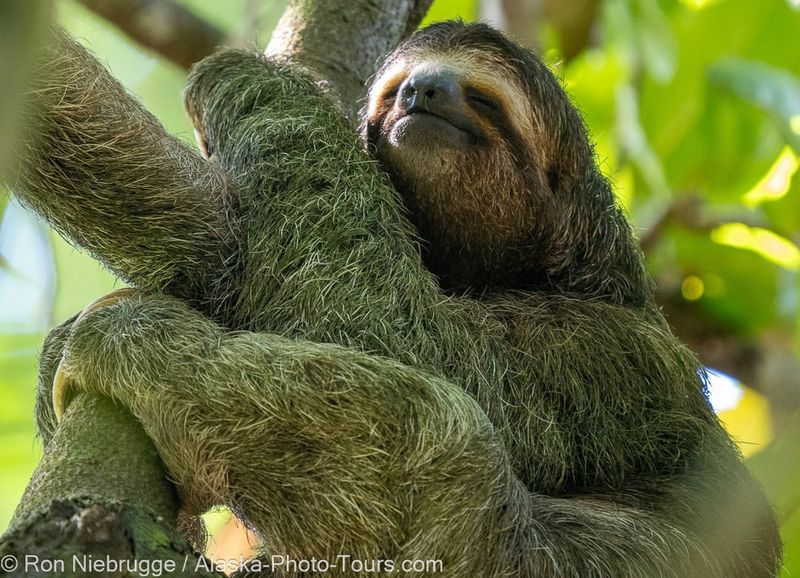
{"x":433,"y":338}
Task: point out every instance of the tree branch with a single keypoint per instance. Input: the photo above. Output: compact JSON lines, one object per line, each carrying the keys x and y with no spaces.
{"x":94,"y":494}
{"x":344,"y":41}
{"x":131,"y":469}
{"x":689,"y":212}
{"x":21,"y":32}
{"x":163,"y":26}
{"x":573,"y":21}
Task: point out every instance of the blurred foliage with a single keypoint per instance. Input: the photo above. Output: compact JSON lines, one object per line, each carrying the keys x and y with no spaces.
{"x":694,"y":101}
{"x":18,"y":451}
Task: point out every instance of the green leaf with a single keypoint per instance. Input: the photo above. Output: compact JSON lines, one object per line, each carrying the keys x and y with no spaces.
{"x":773,"y":90}
{"x":655,"y":40}
{"x":710,"y":141}
{"x":784,"y":214}
{"x":633,"y":140}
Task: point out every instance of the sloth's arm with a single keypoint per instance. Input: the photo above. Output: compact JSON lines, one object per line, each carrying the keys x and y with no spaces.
{"x":104,"y":172}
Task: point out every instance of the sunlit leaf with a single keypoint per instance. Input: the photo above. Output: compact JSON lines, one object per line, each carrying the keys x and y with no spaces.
{"x":776,"y":182}
{"x":783,"y":214}
{"x":750,"y":422}
{"x":698,"y":4}
{"x":774,"y":90}
{"x":770,"y":246}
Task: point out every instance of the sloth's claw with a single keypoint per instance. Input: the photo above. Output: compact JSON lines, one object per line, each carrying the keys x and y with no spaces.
{"x":61,"y":380}
{"x":59,"y":392}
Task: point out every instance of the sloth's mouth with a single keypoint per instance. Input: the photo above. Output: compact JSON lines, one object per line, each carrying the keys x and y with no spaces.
{"x":420,"y":126}
{"x":458,"y":120}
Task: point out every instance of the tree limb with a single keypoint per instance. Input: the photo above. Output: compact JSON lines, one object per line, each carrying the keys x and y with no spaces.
{"x":163,"y":26}
{"x":131,"y":467}
{"x":100,"y":495}
{"x":99,"y":489}
{"x":343,"y":41}
{"x":689,"y":212}
{"x":573,"y":21}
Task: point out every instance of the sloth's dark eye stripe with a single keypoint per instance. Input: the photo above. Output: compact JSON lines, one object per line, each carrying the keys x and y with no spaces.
{"x":481,"y":99}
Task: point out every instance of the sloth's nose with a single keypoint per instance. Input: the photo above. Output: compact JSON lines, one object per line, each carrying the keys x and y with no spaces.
{"x":435,"y":92}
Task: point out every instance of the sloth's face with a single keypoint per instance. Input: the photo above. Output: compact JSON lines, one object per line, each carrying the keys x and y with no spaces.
{"x":438,"y":101}
{"x":454,"y":115}
{"x":449,"y":112}
{"x":429,"y":108}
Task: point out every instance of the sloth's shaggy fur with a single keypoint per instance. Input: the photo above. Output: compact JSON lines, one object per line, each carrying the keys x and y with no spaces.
{"x":548,"y":425}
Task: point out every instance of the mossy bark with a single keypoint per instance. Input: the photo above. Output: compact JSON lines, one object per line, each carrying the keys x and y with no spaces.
{"x":98,"y":496}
